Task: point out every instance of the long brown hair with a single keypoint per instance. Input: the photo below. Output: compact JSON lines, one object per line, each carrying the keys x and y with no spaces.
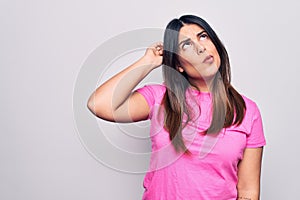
{"x":228,"y":105}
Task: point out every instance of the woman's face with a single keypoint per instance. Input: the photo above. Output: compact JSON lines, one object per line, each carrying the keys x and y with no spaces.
{"x":197,"y":55}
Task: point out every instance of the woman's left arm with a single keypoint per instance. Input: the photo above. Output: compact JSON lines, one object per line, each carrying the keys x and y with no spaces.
{"x":249,"y":170}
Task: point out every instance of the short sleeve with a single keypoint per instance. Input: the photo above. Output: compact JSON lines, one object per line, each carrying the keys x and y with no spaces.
{"x":256,"y":137}
{"x":153,"y":94}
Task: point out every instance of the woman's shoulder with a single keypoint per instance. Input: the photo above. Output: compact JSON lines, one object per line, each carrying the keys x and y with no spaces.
{"x":153,"y":91}
{"x":157,"y":86}
{"x":250,"y":103}
{"x":154,"y":88}
{"x":252,"y":124}
{"x":252,"y":108}
{"x":251,"y":113}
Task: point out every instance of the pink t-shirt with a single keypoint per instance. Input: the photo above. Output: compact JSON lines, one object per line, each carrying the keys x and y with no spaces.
{"x":210,"y":173}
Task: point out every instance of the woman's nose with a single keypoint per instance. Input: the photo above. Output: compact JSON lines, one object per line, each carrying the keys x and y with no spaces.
{"x":200,"y":48}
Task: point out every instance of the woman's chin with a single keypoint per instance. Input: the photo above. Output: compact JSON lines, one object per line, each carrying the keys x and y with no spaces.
{"x":210,"y":73}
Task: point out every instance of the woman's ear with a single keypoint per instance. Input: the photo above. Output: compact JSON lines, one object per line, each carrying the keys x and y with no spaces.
{"x":180,"y":69}
{"x":178,"y":66}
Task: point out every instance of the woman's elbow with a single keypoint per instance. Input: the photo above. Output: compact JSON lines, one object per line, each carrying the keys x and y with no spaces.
{"x":99,"y":111}
{"x":91,"y":105}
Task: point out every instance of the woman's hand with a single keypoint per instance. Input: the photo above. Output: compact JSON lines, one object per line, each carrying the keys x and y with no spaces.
{"x":153,"y":54}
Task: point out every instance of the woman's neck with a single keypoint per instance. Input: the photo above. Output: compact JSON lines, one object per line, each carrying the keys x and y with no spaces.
{"x":201,"y":85}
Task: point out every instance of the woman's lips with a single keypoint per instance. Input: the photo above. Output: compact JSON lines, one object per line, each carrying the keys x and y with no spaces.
{"x":208,"y":59}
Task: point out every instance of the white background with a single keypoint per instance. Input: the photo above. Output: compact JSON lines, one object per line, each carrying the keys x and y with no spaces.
{"x":43,"y":45}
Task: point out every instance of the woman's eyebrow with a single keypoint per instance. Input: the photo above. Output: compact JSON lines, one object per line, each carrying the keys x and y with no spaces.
{"x":188,"y":39}
{"x":200,"y":33}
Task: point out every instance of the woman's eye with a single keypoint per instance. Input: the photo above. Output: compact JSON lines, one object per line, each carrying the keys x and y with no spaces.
{"x":186,"y":45}
{"x":203,"y":36}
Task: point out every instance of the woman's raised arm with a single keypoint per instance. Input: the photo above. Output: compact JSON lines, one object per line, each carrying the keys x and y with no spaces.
{"x":114,"y":99}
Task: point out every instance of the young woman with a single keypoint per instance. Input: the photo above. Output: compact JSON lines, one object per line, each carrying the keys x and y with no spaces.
{"x":207,"y":139}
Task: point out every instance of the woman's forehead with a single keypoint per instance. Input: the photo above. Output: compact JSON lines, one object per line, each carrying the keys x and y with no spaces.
{"x":189,"y":30}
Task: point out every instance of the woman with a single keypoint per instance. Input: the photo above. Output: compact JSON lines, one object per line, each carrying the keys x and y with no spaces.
{"x":207,"y":139}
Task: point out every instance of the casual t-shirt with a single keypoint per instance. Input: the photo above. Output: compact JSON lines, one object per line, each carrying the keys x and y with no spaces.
{"x":210,"y":172}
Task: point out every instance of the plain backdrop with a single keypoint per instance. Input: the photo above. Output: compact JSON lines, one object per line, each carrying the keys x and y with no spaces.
{"x":44,"y":45}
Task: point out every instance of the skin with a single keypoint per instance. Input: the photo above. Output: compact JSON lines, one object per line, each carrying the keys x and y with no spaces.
{"x":194,"y":46}
{"x":115,"y":100}
{"x":249,"y":170}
